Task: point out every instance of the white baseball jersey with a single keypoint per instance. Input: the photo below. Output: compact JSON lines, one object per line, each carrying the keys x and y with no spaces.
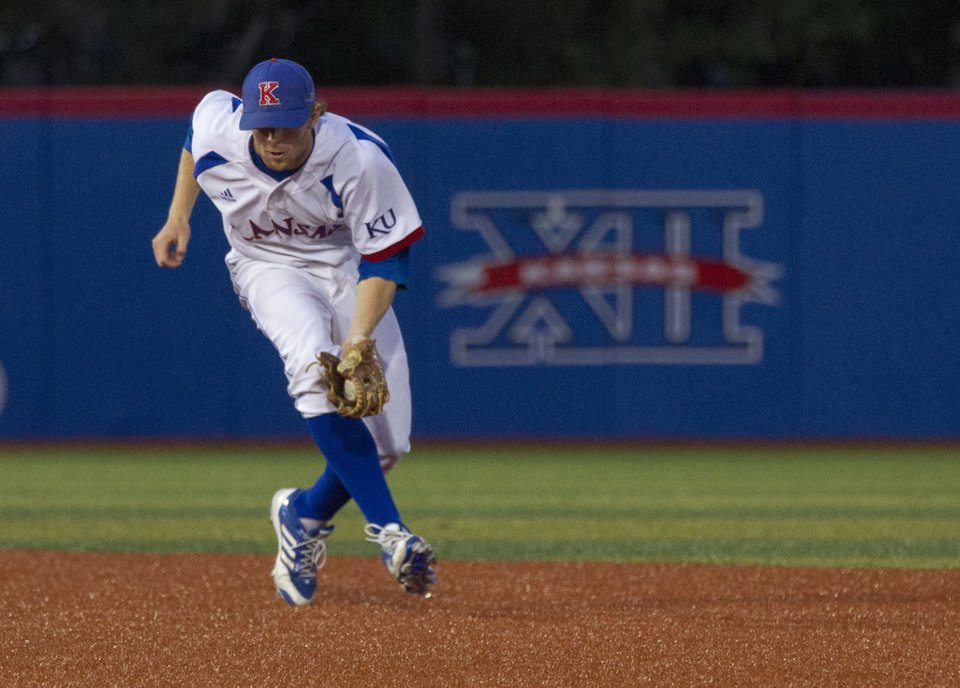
{"x":296,"y":243}
{"x":347,"y":199}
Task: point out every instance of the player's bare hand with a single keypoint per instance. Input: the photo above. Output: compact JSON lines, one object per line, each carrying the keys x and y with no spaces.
{"x":170,"y":243}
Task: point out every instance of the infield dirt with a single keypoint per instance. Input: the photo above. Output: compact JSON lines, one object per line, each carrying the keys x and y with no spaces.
{"x":94,"y":619}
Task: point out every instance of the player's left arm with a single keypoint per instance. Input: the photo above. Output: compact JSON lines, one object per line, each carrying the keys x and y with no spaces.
{"x":385,"y":223}
{"x":374,"y":298}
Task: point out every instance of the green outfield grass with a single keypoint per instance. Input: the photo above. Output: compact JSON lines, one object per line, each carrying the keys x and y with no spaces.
{"x":891,"y":506}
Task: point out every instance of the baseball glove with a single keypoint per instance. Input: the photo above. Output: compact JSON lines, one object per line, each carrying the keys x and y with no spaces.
{"x":356,"y":385}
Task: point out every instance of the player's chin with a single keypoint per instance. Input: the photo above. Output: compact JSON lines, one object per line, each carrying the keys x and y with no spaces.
{"x":280,"y":163}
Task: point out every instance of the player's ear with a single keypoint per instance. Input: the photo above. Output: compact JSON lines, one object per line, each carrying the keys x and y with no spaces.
{"x":319,"y":108}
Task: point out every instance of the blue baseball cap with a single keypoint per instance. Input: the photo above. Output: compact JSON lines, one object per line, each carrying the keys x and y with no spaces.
{"x":277,"y":94}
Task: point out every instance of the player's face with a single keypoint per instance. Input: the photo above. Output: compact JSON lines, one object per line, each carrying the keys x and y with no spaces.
{"x":285,"y":149}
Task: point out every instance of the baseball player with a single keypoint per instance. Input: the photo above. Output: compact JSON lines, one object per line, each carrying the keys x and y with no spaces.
{"x":320,"y":226}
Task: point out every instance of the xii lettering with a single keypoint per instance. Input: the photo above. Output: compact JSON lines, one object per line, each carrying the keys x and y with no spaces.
{"x":382,"y":225}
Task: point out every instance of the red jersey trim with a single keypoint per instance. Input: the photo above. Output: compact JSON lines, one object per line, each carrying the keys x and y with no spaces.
{"x":395,"y":248}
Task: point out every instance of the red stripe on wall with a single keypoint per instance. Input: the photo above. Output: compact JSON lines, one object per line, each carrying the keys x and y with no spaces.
{"x":167,"y":101}
{"x":110,"y":102}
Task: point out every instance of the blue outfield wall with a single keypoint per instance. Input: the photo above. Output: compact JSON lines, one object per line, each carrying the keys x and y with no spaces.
{"x":687,"y":276}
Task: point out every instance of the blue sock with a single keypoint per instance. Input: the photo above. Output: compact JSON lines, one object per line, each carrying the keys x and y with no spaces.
{"x":324,"y":499}
{"x":354,"y":468}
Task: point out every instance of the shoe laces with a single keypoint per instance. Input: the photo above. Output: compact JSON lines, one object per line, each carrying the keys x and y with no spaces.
{"x":391,"y":539}
{"x":313,"y":551}
{"x":377,"y":533}
{"x":388,"y":538}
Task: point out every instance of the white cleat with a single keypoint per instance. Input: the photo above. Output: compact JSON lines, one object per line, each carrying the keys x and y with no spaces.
{"x":300,"y":552}
{"x":408,"y":557}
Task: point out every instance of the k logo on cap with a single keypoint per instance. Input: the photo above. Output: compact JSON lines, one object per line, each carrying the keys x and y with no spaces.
{"x":266,"y":93}
{"x":277,"y":94}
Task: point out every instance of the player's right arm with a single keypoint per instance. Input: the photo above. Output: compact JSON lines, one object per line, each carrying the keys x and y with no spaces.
{"x":170,"y":243}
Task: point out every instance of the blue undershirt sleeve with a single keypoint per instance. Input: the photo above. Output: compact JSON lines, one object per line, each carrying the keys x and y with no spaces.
{"x":396,"y":268}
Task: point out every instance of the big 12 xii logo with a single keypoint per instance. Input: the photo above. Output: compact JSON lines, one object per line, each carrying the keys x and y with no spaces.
{"x":606,"y":277}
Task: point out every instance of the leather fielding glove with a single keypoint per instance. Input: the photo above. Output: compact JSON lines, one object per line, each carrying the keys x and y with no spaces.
{"x":356,"y":384}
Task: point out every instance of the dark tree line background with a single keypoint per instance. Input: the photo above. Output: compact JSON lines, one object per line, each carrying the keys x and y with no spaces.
{"x":877,"y":44}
